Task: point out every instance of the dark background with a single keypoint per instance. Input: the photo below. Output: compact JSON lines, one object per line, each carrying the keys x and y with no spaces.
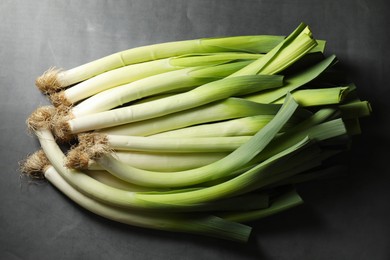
{"x":346,"y":218}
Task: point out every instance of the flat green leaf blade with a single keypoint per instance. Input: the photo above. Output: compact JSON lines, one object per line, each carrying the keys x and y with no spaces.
{"x":293,"y":82}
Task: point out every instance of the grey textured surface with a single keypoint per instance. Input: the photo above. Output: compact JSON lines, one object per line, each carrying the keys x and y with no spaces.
{"x":347,"y":218}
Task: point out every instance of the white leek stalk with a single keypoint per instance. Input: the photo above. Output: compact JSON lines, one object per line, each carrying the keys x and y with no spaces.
{"x":164,"y":162}
{"x":173,"y":145}
{"x":167,"y":162}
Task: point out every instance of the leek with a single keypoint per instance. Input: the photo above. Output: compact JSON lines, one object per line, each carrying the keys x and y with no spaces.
{"x":206,"y":225}
{"x":164,"y":162}
{"x":54,"y":79}
{"x":229,"y":108}
{"x":169,"y":145}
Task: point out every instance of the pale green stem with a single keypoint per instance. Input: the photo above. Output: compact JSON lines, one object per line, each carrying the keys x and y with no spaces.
{"x":175,"y":145}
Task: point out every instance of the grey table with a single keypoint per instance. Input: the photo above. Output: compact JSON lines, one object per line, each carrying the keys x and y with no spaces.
{"x":346,"y":218}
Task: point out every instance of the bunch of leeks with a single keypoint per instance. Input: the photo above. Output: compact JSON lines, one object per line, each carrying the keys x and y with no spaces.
{"x":196,"y":136}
